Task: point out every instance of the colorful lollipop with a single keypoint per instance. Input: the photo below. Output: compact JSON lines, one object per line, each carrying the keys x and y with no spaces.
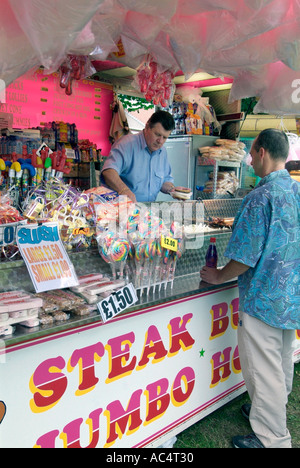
{"x":114,"y":250}
{"x":119,"y":250}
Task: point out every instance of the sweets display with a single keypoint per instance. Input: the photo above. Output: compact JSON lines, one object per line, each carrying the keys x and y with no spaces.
{"x":10,"y":218}
{"x":8,"y":213}
{"x":48,"y":308}
{"x":114,"y":250}
{"x":18,"y":307}
{"x":61,"y":203}
{"x":94,"y":288}
{"x":193,"y":115}
{"x":130,"y":240}
{"x":139,"y":246}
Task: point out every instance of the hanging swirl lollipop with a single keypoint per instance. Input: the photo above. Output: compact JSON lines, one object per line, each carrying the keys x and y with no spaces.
{"x":118,"y":252}
{"x":104,"y":242}
{"x":133,"y":219}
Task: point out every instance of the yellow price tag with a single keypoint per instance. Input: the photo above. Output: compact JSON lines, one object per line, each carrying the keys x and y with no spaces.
{"x":169,"y":243}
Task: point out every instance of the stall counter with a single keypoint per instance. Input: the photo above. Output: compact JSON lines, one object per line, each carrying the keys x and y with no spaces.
{"x":132,"y":382}
{"x":135,"y":381}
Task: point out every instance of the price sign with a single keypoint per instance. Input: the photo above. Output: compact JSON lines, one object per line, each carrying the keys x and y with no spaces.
{"x":169,"y":243}
{"x":117,"y":302}
{"x":45,"y":257}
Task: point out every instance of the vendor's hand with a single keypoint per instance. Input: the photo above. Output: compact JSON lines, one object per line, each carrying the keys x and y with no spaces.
{"x":211,"y":275}
{"x":168,"y":187}
{"x":128,"y":193}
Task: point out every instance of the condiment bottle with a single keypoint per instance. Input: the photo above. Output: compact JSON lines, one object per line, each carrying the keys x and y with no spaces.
{"x":211,"y":254}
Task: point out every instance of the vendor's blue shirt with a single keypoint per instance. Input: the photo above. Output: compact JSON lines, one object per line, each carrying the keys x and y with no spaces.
{"x":266,"y":237}
{"x":143,"y":172}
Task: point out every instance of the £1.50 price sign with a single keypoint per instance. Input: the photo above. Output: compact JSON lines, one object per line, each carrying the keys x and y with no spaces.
{"x":117,"y":302}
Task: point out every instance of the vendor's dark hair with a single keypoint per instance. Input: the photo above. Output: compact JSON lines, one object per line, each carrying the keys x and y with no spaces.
{"x":275,"y":142}
{"x":162,"y":117}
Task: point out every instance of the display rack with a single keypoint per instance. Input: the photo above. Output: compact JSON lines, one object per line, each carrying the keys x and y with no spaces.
{"x":201,"y":176}
{"x":14,"y":275}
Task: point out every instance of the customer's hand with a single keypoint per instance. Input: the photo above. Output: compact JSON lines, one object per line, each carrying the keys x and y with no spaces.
{"x":211,"y":275}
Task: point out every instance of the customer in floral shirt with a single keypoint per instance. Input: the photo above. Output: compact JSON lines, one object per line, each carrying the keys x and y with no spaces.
{"x":265,"y":256}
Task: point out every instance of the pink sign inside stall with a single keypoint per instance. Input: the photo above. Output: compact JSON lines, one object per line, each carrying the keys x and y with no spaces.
{"x":36,"y":98}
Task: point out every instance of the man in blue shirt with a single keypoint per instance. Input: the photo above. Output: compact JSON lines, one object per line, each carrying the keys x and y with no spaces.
{"x":265,"y":255}
{"x":138,"y":165}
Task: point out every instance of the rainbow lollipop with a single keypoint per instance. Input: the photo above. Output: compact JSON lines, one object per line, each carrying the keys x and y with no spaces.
{"x":132,"y":221}
{"x":118,"y":253}
{"x":104,"y":244}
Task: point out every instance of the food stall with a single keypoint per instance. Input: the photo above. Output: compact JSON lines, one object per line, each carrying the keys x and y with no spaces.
{"x":103,"y":346}
{"x":131,"y":374}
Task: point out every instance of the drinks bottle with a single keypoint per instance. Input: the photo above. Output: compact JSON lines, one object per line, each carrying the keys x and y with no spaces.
{"x":211,"y":254}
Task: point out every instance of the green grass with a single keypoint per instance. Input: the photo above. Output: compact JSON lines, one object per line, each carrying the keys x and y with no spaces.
{"x":217,"y":429}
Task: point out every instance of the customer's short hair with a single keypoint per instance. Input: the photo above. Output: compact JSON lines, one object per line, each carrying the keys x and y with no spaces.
{"x":162,"y":117}
{"x":275,"y":142}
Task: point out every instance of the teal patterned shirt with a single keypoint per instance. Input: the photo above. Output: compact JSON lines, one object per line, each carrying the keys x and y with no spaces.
{"x":266,"y":237}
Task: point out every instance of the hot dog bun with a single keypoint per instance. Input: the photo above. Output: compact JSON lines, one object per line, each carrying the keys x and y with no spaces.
{"x":182,"y":193}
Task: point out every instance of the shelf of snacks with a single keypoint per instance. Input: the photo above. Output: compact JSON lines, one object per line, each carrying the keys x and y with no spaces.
{"x":218,"y":169}
{"x":29,"y":156}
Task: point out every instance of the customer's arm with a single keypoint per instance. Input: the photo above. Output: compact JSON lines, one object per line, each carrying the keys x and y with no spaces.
{"x":228,"y":272}
{"x":113,"y":180}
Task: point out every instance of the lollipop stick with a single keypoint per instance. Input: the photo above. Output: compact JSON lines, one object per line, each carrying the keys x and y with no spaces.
{"x":121,"y":272}
{"x":172,"y":270}
{"x":164,"y":277}
{"x":113,"y":270}
{"x":151,"y":276}
{"x":146,"y":268}
{"x":138,"y":276}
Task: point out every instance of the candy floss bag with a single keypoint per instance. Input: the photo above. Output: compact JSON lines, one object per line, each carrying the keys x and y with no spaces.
{"x":16,"y":52}
{"x":281,"y":95}
{"x":155,"y":82}
{"x":51,"y":27}
{"x":294,"y":140}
